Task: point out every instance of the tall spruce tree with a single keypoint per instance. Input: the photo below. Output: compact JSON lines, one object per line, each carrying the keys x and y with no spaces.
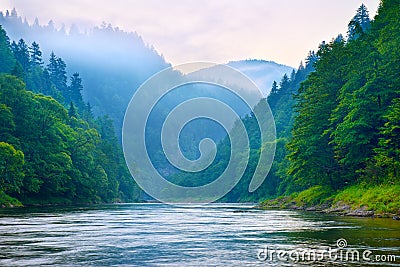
{"x":7,"y":60}
{"x":74,"y":91}
{"x":35,"y":55}
{"x":359,"y":24}
{"x":21,"y":53}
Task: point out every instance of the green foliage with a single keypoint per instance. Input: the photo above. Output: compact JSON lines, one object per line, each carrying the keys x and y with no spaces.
{"x":57,"y":72}
{"x":282,"y":102}
{"x":11,"y":163}
{"x":337,"y":121}
{"x":7,"y":60}
{"x":359,"y":24}
{"x":346,"y":130}
{"x":311,"y":156}
{"x":7,"y":126}
{"x":313,"y":196}
{"x":21,"y":53}
{"x":67,"y":161}
{"x":380,"y":198}
{"x":7,"y":201}
{"x":49,"y":154}
{"x":388,"y":153}
{"x":73,"y":93}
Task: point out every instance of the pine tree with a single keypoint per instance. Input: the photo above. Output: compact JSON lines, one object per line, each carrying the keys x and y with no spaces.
{"x":72,"y":111}
{"x":18,"y":71}
{"x":274,"y":88}
{"x":74,"y":90}
{"x":388,"y":152}
{"x":14,"y":13}
{"x":52,"y":66}
{"x":359,"y":24}
{"x":36,"y":23}
{"x":35,"y":55}
{"x":339,"y":39}
{"x":61,"y":74}
{"x":311,"y":58}
{"x":311,"y":156}
{"x":58,"y":74}
{"x":293,"y":75}
{"x":87,"y":114}
{"x":284,"y":82}
{"x":21,"y":53}
{"x":7,"y":61}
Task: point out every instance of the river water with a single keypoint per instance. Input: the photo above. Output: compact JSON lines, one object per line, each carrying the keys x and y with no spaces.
{"x":190,"y":235}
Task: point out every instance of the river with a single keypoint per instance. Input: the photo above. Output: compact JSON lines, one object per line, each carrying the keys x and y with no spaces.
{"x":190,"y":235}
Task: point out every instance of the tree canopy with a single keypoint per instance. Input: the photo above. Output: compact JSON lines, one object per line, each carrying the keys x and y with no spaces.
{"x":52,"y":149}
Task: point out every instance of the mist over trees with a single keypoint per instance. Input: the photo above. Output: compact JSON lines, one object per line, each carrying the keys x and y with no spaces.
{"x":113,"y":62}
{"x":52,"y":148}
{"x":337,"y":115}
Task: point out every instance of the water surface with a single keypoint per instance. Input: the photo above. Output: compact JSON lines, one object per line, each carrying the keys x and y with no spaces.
{"x":162,"y":235}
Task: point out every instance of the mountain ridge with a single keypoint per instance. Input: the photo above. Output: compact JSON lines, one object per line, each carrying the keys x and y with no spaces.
{"x":262,"y":72}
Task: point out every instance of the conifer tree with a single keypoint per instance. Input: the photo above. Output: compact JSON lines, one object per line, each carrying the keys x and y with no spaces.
{"x":274,"y":88}
{"x":21,"y":53}
{"x":35,"y":55}
{"x":75,"y":89}
{"x":359,"y":24}
{"x":57,"y":72}
{"x":72,"y":110}
{"x":7,"y":61}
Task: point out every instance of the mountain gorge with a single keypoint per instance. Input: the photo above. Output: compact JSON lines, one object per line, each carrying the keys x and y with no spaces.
{"x":113,"y":63}
{"x":336,"y":116}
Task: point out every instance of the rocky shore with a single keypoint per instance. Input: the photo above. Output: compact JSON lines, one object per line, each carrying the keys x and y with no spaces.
{"x":328,"y":207}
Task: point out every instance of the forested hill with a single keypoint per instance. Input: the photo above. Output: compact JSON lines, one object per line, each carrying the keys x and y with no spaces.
{"x":52,"y":148}
{"x":345,"y":142}
{"x":261,"y":72}
{"x":113,"y":62}
{"x":338,"y":124}
{"x":346,"y":130}
{"x":337,"y":121}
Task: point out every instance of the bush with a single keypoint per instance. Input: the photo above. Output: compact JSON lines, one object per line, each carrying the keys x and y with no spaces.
{"x":313,"y":196}
{"x":381,"y":198}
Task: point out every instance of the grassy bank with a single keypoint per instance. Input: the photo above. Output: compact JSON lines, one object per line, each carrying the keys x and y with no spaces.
{"x":357,"y":200}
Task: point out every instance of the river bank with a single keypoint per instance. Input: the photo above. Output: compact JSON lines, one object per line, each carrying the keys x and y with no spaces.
{"x":381,"y":201}
{"x":7,"y":201}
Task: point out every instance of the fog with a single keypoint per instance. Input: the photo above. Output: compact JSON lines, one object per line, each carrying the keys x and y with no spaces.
{"x":112,"y":63}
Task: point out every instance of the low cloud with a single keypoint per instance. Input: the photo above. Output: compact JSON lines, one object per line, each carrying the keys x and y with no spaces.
{"x":217,"y":31}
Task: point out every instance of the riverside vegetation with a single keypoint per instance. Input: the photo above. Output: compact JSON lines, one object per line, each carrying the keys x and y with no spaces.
{"x":52,"y":149}
{"x":343,"y":151}
{"x":338,"y":126}
{"x":337,"y":120}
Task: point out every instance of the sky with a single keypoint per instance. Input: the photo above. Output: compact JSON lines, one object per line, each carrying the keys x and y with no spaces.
{"x":209,"y":30}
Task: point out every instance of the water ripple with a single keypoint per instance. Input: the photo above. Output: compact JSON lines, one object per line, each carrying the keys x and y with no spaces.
{"x":161,"y":235}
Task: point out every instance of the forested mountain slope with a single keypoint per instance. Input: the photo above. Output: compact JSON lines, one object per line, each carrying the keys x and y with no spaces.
{"x":345,"y":141}
{"x":113,"y":62}
{"x":52,"y":148}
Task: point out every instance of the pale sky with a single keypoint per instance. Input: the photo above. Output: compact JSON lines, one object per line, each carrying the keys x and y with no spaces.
{"x":209,"y":30}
